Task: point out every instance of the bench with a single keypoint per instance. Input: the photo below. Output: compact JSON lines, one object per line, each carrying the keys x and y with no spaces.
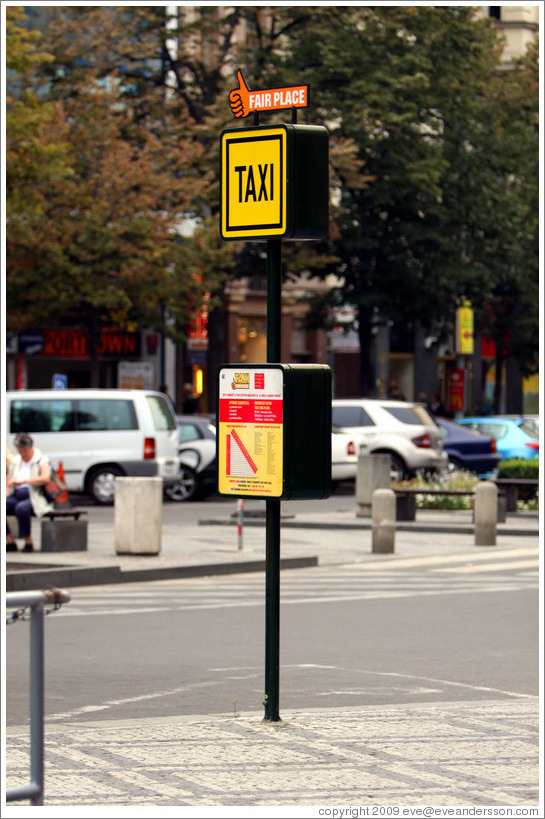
{"x":406,"y":500}
{"x":511,"y":488}
{"x":63,"y":531}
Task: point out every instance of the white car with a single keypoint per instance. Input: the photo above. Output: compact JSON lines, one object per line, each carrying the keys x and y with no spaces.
{"x":345,"y":447}
{"x":403,"y":430}
{"x":197,"y":459}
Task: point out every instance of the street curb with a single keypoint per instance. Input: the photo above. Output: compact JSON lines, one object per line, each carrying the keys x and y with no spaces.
{"x":401,"y":526}
{"x":72,"y":576}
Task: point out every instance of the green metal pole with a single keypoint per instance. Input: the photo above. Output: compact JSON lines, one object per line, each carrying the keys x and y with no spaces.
{"x":272,"y":566}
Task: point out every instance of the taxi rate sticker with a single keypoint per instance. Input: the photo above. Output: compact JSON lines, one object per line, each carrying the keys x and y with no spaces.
{"x":250,"y":432}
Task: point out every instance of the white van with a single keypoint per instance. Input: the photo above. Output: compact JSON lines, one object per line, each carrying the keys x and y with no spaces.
{"x":99,"y":434}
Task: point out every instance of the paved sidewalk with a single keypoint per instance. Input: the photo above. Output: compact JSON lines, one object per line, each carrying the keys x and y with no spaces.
{"x":478,"y":753}
{"x":440,"y":754}
{"x":212,"y":546}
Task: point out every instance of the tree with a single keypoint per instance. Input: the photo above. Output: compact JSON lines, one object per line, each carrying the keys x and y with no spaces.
{"x":423,"y":187}
{"x":420,"y":91}
{"x":510,"y":295}
{"x":36,"y":148}
{"x":106,"y":235}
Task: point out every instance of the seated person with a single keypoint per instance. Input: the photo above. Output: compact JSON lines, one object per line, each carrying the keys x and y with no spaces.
{"x":28,"y":473}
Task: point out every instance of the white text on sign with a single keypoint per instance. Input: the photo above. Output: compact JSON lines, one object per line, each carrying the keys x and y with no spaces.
{"x":281,"y":98}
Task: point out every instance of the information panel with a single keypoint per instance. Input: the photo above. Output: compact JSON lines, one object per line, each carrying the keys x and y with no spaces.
{"x":250,"y":431}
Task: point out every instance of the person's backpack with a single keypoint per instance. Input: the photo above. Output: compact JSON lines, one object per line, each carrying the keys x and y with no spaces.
{"x":55,"y":486}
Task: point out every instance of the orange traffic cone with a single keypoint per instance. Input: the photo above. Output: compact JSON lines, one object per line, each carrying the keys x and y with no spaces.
{"x":62,"y":499}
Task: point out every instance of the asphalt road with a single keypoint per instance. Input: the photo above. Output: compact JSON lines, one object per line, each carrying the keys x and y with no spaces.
{"x":348,"y":637}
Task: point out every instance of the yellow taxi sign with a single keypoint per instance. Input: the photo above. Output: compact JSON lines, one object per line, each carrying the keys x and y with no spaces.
{"x":254,"y":181}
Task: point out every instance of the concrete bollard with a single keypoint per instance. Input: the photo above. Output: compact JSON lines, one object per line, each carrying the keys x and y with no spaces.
{"x":373,"y":473}
{"x":486,"y":513}
{"x":138,"y":508}
{"x":383,"y":516}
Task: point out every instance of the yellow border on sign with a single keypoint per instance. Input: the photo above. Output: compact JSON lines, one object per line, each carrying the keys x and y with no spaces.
{"x":254,"y":177}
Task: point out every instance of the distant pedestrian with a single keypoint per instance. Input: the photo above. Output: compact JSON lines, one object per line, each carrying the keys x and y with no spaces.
{"x":436,"y":407}
{"x":28,"y":473}
{"x":191,"y":403}
{"x":394,"y":391}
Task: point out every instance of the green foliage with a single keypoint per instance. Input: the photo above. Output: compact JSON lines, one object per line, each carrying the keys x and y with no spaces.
{"x":448,"y":157}
{"x":519,"y":468}
{"x":22,"y":53}
{"x":98,"y":185}
{"x":442,"y":480}
{"x":433,"y":165}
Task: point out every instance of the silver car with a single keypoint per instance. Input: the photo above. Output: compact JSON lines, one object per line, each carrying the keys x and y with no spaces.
{"x":403,"y":430}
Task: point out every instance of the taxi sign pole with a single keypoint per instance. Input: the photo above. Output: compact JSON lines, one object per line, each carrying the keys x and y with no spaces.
{"x":262,"y":174}
{"x":272,"y":560}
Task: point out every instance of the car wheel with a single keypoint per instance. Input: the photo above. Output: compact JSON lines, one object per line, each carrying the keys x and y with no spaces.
{"x":186,"y":488}
{"x":398,"y":470}
{"x":101,"y":484}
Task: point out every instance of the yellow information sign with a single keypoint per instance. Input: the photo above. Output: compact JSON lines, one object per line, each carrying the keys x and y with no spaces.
{"x":250,"y":431}
{"x":254,"y":183}
{"x":464,"y":329}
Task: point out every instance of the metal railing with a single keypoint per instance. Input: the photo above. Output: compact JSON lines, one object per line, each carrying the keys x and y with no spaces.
{"x":35,"y":601}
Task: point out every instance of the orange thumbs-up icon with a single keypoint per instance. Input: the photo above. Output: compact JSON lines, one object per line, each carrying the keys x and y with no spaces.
{"x":239,"y":98}
{"x":243,"y":101}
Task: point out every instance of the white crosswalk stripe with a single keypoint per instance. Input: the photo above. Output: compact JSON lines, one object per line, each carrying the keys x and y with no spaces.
{"x":451,"y":574}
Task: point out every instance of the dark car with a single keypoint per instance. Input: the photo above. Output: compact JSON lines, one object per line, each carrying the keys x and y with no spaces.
{"x":197,"y":456}
{"x":468,"y":449}
{"x":514,"y":438}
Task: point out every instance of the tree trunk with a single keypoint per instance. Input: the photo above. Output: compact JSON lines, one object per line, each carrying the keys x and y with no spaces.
{"x":367,"y":369}
{"x":217,"y":351}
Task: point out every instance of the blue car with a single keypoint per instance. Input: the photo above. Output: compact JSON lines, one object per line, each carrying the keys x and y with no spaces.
{"x":468,"y":449}
{"x":514,"y":438}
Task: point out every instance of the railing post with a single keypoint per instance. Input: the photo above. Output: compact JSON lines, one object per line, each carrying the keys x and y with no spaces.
{"x":35,"y":600}
{"x":37,"y":702}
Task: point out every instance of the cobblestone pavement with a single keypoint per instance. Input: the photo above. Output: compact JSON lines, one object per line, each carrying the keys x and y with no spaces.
{"x":483,"y":753}
{"x":442,"y":754}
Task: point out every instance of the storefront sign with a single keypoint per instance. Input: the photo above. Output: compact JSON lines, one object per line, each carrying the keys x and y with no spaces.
{"x":31,"y":343}
{"x":456,"y":386}
{"x":135,"y":375}
{"x":73,"y":344}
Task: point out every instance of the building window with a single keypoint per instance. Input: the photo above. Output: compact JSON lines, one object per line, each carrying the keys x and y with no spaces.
{"x":252,"y":340}
{"x":299,"y":340}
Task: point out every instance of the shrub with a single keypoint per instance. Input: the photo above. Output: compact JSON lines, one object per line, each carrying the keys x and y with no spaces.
{"x":519,"y":468}
{"x":442,"y":480}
